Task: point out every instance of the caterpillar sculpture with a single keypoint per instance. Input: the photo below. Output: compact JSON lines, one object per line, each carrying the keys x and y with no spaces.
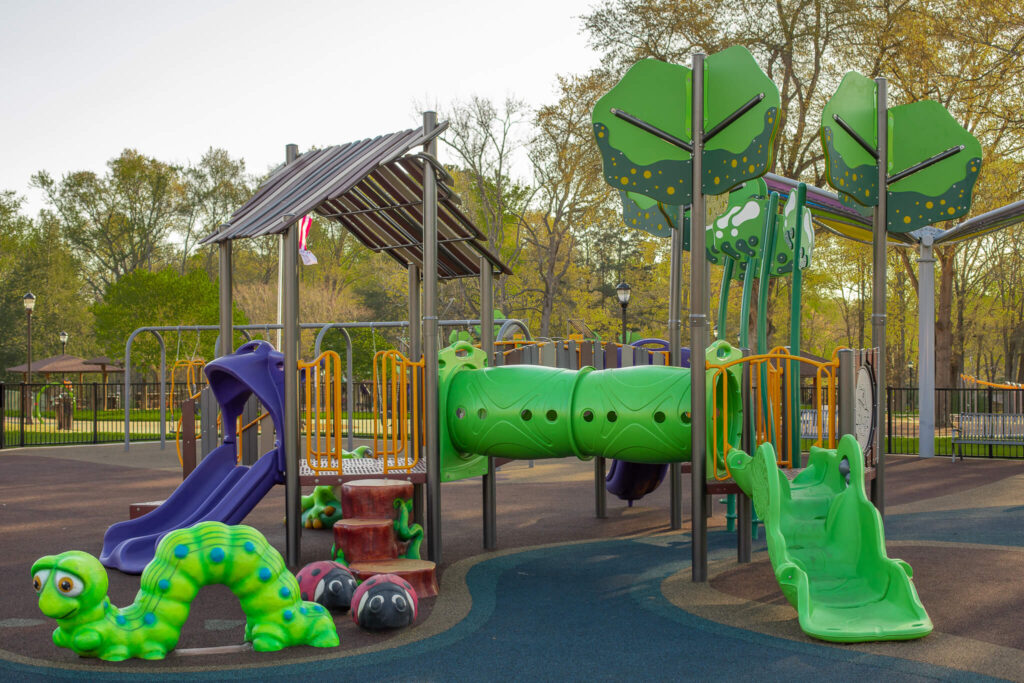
{"x":72,"y":589}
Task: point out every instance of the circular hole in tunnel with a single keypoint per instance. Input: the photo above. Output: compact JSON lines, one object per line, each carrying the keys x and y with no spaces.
{"x":612,"y":416}
{"x":482,"y":413}
{"x":552,"y":415}
{"x":685,"y":417}
{"x":526,"y":415}
{"x":460,"y":412}
{"x":659,"y":417}
{"x":588,"y":415}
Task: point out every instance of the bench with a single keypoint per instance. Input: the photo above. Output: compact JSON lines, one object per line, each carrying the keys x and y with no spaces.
{"x":988,"y":429}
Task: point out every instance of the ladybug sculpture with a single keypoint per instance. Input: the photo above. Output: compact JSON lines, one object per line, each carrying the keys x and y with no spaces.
{"x":329,"y":583}
{"x":384,"y":601}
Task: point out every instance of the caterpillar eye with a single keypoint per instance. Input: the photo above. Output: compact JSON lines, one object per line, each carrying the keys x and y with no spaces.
{"x":39,"y":580}
{"x":69,"y":584}
{"x":376,"y":602}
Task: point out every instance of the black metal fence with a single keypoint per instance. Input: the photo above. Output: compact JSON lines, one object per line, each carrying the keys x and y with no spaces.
{"x":903,"y":420}
{"x":59,"y":413}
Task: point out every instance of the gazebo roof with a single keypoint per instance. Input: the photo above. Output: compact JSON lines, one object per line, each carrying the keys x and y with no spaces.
{"x":63,"y":363}
{"x":374,"y":188}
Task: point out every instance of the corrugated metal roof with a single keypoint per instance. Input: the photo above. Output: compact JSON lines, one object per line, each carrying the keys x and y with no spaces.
{"x":375,"y":192}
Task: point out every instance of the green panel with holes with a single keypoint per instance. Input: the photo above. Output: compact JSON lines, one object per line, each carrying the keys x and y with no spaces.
{"x":639,"y":414}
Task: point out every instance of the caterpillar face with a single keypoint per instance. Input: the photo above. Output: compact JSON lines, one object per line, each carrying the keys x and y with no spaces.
{"x":329,"y":583}
{"x":68,"y":583}
{"x":384,"y":601}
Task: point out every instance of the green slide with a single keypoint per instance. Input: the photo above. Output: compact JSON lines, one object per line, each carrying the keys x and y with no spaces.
{"x":826,"y":543}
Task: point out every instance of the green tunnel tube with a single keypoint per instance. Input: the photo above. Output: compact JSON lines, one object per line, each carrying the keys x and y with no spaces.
{"x":639,"y":414}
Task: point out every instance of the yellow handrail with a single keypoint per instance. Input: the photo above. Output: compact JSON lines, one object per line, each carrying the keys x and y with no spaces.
{"x":323,"y":382}
{"x":995,"y":385}
{"x":398,"y":401}
{"x":776,"y":387}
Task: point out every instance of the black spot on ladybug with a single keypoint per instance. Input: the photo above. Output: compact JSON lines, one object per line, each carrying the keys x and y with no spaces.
{"x":304,"y":596}
{"x":316,"y":571}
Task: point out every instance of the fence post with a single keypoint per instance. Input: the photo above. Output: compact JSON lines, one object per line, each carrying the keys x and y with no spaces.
{"x":21,"y":414}
{"x":889,"y":391}
{"x":95,"y":413}
{"x":3,"y":413}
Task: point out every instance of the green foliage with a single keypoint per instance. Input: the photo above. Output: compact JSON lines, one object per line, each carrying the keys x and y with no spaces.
{"x":164,"y":297}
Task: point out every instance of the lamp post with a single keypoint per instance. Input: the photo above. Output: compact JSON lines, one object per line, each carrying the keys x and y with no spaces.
{"x":63,"y":343}
{"x":30,"y":303}
{"x":623,"y":292}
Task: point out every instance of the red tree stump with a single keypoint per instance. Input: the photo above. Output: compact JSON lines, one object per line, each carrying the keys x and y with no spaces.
{"x":373,"y":498}
{"x":365,"y":540}
{"x":420,"y":573}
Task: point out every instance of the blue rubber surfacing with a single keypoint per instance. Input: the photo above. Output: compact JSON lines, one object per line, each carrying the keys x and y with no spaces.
{"x":575,"y":612}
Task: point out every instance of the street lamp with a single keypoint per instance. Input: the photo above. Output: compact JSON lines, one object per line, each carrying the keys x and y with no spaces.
{"x":623,"y":292}
{"x":63,"y":342}
{"x":30,"y":303}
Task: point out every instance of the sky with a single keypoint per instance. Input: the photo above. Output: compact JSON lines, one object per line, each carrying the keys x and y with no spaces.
{"x":82,"y":80}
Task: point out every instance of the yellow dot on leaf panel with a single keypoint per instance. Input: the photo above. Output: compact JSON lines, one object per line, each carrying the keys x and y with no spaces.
{"x":867,"y":193}
{"x":647,"y":174}
{"x":951,"y":210}
{"x":842,"y":182}
{"x":633,"y":171}
{"x":634,"y":221}
{"x":717,"y":180}
{"x":660,"y":226}
{"x":647,"y":215}
{"x":734,"y":163}
{"x":928,"y":205}
{"x":855,"y":177}
{"x":625,"y":180}
{"x":751,"y":169}
{"x":942,"y":201}
{"x":744,"y":160}
{"x":601,"y":134}
{"x":670,"y":190}
{"x":906,"y":219}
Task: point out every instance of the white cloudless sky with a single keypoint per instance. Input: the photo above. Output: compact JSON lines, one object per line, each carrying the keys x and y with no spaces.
{"x":81,"y":80}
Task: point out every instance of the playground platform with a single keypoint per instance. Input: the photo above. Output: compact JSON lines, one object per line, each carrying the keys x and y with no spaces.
{"x":566,"y":596}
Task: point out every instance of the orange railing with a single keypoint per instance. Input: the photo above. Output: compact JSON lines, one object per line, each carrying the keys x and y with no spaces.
{"x":323,"y":412}
{"x":777,"y":388}
{"x":398,"y":402}
{"x":968,"y":379}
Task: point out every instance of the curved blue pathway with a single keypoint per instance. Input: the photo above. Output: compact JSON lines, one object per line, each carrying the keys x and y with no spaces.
{"x":583,"y":612}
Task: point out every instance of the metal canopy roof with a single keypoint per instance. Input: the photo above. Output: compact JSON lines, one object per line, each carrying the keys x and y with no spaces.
{"x":839,"y":218}
{"x":376,"y":193}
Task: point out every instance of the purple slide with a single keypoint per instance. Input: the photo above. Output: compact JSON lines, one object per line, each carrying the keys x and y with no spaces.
{"x":218,"y":489}
{"x":633,"y":480}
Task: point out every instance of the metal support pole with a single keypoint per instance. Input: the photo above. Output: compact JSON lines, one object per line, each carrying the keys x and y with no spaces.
{"x":675,"y":298}
{"x":926,"y":349}
{"x":430,"y":370}
{"x":419,"y":491}
{"x":744,"y":518}
{"x":290,"y":442}
{"x":879,"y":295}
{"x":490,"y":489}
{"x":227,"y":344}
{"x":699,"y":306}
{"x":291,"y":153}
{"x":26,"y":410}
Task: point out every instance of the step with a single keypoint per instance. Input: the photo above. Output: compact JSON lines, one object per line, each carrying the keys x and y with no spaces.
{"x":420,"y":573}
{"x":138,"y":509}
{"x":364,"y":540}
{"x":373,"y":498}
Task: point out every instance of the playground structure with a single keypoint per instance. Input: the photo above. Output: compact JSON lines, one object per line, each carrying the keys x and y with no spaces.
{"x":447,"y":415}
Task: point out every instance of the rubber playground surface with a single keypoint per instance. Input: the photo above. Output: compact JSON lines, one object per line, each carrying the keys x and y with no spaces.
{"x":566,"y":596}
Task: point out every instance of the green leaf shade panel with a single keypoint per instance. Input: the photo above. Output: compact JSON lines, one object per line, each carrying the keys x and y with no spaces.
{"x":918,"y":132}
{"x":741,"y":106}
{"x":745,"y":149}
{"x":942,"y":191}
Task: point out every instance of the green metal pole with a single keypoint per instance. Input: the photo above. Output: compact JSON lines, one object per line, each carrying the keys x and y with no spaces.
{"x":794,"y":327}
{"x":723,"y":297}
{"x":768,"y":245}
